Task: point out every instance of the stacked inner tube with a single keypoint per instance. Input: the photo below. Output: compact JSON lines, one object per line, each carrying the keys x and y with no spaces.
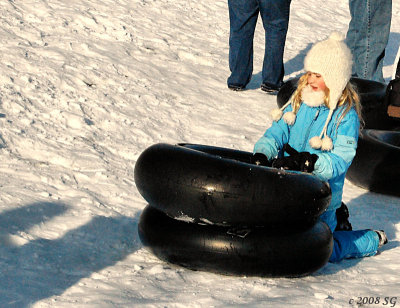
{"x":211,"y":209}
{"x":376,"y":166}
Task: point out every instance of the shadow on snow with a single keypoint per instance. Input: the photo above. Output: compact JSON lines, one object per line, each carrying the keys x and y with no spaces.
{"x":42,"y":268}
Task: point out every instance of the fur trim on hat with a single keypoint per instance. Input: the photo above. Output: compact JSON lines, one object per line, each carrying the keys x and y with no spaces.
{"x":312,"y":98}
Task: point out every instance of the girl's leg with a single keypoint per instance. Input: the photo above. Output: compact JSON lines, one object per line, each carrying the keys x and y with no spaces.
{"x":350,"y":244}
{"x":354,"y":244}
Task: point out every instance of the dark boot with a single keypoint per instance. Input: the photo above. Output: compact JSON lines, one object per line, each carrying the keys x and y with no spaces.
{"x":382,"y":237}
{"x":342,"y":215}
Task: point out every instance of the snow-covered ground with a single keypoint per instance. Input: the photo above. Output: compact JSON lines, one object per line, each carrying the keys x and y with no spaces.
{"x":85,"y":87}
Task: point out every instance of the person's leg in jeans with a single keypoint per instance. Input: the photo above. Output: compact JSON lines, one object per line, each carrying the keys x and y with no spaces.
{"x":368,"y":36}
{"x":275,"y":17}
{"x":243,"y":16}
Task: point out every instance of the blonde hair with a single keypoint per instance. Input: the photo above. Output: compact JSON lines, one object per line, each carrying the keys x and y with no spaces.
{"x":349,"y":98}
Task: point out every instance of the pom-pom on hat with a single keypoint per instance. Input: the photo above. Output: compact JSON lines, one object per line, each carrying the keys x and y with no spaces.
{"x":332,"y":59}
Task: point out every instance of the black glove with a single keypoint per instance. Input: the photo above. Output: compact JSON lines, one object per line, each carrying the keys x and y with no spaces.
{"x":286,"y":163}
{"x":260,"y":159}
{"x":298,"y":161}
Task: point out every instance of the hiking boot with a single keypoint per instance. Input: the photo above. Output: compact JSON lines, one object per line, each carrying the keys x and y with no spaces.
{"x":270,"y":89}
{"x":342,"y":216}
{"x":235,"y":87}
{"x":382,"y":238}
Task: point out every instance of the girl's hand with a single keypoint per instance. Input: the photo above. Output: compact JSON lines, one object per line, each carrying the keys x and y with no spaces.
{"x":297,"y":161}
{"x":260,"y":160}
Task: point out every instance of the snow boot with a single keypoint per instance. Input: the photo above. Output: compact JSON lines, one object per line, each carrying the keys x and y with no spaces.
{"x":382,"y":238}
{"x":270,"y":88}
{"x":342,"y":216}
{"x":235,"y":87}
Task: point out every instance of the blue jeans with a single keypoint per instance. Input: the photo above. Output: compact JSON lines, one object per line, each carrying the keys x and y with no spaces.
{"x":368,"y":36}
{"x":243,"y":16}
{"x":350,"y":244}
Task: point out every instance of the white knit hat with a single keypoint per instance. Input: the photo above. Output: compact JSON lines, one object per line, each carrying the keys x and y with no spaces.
{"x":332,"y":59}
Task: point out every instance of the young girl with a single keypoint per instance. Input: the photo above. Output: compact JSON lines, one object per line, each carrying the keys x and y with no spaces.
{"x":321,"y":122}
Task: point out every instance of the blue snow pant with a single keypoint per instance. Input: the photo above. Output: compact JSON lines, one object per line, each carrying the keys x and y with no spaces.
{"x":243,"y":16}
{"x":350,"y":244}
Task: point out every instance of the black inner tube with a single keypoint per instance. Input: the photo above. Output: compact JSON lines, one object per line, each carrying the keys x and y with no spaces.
{"x":217,"y":186}
{"x":236,"y":251}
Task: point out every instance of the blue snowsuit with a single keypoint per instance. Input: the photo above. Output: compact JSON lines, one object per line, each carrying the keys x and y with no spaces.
{"x":331,"y":166}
